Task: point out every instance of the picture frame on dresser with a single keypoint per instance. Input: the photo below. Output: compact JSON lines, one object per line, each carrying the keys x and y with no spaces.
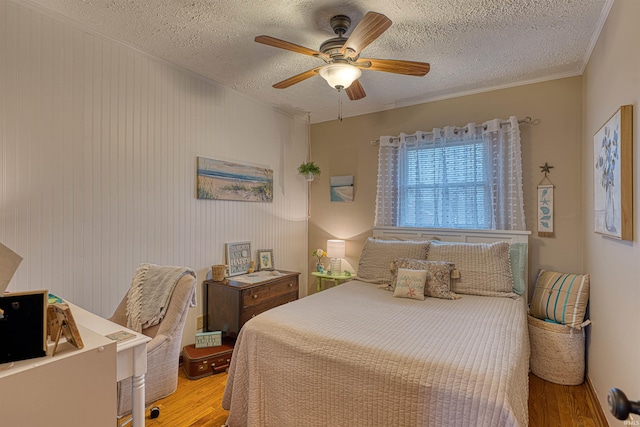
{"x":238,"y":256}
{"x":265,"y":259}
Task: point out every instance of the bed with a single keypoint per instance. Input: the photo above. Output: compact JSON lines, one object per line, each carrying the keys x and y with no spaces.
{"x":354,"y":355}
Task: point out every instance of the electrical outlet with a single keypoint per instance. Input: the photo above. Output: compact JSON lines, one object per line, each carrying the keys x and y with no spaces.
{"x":199,"y":322}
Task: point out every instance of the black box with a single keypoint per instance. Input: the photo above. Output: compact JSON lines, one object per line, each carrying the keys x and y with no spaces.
{"x":23,"y":327}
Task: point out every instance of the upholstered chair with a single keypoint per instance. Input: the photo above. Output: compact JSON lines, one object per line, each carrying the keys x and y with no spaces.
{"x":163,"y":351}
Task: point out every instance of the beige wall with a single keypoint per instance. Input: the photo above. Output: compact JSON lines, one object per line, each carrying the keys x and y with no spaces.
{"x":612,"y":79}
{"x":344,"y":148}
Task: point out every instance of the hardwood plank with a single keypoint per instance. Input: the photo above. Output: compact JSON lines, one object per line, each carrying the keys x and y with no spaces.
{"x":592,"y":400}
{"x":198,"y":403}
{"x":537,"y":403}
{"x":552,"y":408}
{"x":559,"y":405}
{"x":579,"y":406}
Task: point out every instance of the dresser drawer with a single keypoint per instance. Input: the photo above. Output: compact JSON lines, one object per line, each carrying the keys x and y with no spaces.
{"x":253,"y":311}
{"x":230,"y":303}
{"x":259,"y":295}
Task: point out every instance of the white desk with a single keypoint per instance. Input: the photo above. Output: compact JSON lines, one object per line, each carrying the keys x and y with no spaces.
{"x":73,"y":388}
{"x":131,"y":356}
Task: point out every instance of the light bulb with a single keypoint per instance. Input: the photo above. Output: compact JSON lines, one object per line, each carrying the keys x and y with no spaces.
{"x":339,"y":75}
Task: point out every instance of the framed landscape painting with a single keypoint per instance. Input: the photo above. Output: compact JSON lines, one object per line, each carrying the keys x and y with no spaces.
{"x":342,"y":188}
{"x":613,"y":176}
{"x":220,"y":180}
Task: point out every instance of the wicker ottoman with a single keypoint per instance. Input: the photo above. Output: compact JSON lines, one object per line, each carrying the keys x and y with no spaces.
{"x":557,"y":352}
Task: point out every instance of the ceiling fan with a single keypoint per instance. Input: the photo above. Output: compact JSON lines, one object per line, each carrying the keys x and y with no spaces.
{"x":342,"y":55}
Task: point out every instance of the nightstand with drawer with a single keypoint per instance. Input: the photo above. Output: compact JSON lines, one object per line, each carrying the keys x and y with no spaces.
{"x":229,"y":304}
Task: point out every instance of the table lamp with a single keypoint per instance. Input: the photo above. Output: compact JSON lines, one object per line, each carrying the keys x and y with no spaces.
{"x":336,"y":251}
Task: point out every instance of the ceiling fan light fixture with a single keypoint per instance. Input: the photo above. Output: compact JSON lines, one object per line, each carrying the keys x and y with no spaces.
{"x":339,"y":75}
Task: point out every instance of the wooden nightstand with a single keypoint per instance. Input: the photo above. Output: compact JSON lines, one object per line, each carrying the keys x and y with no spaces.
{"x":231,"y":303}
{"x":335,"y":277}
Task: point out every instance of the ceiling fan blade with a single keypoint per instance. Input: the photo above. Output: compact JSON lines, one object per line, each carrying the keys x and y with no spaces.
{"x":355,"y":91}
{"x":370,"y":28}
{"x":410,"y":68}
{"x":281,"y":44}
{"x":296,"y":79}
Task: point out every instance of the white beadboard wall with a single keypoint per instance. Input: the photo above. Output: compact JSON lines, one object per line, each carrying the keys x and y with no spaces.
{"x":98,"y":147}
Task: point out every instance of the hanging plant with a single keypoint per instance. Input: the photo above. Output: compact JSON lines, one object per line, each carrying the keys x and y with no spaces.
{"x":309,"y":169}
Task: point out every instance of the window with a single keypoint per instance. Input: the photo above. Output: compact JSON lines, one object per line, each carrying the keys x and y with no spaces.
{"x":467,"y":177}
{"x":445,"y":185}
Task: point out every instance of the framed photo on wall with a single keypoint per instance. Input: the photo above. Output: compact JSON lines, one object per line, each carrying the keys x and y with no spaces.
{"x":222,"y":180}
{"x":613,"y":176}
{"x":342,"y":188}
{"x":265,"y":259}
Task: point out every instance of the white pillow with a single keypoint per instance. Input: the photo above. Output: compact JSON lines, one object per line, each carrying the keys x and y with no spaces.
{"x":410,"y":283}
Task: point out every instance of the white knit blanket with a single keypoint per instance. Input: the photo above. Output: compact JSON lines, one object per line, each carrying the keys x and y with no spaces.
{"x":150,"y":293}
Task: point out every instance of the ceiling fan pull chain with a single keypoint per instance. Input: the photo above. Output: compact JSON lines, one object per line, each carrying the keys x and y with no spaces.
{"x":339,"y":105}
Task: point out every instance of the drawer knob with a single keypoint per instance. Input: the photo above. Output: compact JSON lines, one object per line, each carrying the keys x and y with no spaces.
{"x":253,"y":315}
{"x":255,"y":296}
{"x":291,"y":285}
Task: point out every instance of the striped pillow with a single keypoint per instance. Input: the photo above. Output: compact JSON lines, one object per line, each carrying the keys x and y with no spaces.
{"x":560,"y":297}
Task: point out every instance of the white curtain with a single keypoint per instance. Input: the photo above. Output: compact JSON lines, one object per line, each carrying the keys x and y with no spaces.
{"x":453,"y":177}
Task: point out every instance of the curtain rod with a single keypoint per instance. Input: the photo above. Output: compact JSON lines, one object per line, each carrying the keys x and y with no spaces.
{"x":526,"y":120}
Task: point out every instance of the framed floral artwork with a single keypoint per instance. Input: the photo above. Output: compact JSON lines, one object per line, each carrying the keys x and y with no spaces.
{"x":613,"y":176}
{"x":265,"y":259}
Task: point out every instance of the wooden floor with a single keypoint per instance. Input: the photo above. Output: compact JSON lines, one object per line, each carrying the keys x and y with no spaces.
{"x":197,"y":403}
{"x":562,"y":405}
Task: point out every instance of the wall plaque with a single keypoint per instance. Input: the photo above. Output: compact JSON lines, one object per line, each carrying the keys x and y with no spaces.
{"x":238,"y":257}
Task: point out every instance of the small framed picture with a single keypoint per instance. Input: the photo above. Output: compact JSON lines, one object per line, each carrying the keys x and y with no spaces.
{"x":238,"y":256}
{"x":265,"y":259}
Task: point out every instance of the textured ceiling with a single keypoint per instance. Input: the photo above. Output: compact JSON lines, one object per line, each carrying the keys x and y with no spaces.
{"x":472,"y":45}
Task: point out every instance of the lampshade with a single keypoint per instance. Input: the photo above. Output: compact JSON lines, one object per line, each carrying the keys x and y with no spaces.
{"x":340,"y":76}
{"x":335,"y":248}
{"x":9,"y":262}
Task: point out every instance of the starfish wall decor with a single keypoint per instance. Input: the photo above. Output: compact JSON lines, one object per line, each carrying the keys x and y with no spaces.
{"x":546,"y":168}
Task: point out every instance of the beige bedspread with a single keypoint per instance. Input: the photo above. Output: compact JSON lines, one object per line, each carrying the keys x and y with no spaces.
{"x":354,"y":355}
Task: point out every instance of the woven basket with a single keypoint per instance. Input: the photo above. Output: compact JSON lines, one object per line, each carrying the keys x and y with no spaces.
{"x":557,"y":352}
{"x":218,"y":272}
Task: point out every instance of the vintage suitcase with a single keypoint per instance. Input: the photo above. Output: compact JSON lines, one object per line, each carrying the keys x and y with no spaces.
{"x":202,"y":362}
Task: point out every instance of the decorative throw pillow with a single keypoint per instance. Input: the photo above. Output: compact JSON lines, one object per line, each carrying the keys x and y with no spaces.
{"x":410,"y":284}
{"x":483,"y":268}
{"x":518,"y":261}
{"x":438,"y":276}
{"x":378,"y":254}
{"x":560,"y":297}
